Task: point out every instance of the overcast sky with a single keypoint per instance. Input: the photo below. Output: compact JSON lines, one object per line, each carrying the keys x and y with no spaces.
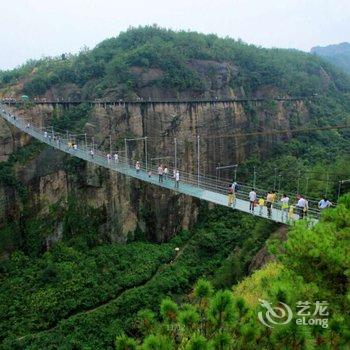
{"x":35,"y":28}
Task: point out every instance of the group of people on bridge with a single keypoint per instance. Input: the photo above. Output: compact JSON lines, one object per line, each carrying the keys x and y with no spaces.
{"x":53,"y":138}
{"x":163,"y":173}
{"x":270,"y":200}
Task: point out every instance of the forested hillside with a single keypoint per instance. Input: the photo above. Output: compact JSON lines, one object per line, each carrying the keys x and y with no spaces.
{"x":177,"y":62}
{"x":79,"y":294}
{"x":87,"y":256}
{"x":312,"y":265}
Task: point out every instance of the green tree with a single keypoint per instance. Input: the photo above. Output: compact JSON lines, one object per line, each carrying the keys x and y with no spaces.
{"x":125,"y":343}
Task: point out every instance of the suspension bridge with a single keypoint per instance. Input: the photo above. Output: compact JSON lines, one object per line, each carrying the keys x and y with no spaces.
{"x":194,"y":185}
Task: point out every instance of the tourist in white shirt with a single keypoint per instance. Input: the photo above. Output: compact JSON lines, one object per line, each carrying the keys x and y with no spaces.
{"x":285,"y":206}
{"x":138,"y":167}
{"x":177,"y":179}
{"x":302,"y":207}
{"x":166,"y":172}
{"x":252,"y":199}
{"x":160,"y":173}
{"x":324,"y":204}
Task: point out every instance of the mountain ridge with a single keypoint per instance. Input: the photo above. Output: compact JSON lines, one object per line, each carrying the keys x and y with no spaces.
{"x":337,"y":54}
{"x":159,"y":63}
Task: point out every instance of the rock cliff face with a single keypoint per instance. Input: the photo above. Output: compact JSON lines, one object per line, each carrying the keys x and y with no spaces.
{"x":129,"y":205}
{"x":216,"y":123}
{"x":10,"y":139}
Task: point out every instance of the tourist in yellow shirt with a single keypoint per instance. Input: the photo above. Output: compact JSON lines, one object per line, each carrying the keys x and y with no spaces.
{"x":261,"y":203}
{"x":270,"y":198}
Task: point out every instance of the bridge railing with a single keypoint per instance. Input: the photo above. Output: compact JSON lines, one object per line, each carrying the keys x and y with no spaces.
{"x":205,"y":183}
{"x":213,"y":184}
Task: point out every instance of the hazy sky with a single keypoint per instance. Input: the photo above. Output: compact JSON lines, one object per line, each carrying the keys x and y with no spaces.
{"x":35,"y":28}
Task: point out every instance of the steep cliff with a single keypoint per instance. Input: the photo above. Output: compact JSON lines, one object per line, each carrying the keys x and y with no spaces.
{"x":128,"y":206}
{"x":146,"y":64}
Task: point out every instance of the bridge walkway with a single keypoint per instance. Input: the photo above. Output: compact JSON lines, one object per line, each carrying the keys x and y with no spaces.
{"x":205,"y":188}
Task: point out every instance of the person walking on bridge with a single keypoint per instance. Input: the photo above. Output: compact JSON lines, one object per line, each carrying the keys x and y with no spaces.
{"x":261,"y":203}
{"x":166,"y":172}
{"x":109,"y":158}
{"x":324,"y":204}
{"x":270,"y":198}
{"x":235,"y":187}
{"x":92,"y":154}
{"x":230,"y":195}
{"x":177,"y":179}
{"x":252,"y":200}
{"x":116,"y":158}
{"x":302,"y":207}
{"x":285,"y":206}
{"x":160,"y":173}
{"x":291,"y":213}
{"x":138,"y":167}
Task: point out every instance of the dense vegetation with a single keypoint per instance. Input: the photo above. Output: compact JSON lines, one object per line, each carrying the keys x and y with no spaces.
{"x":312,"y":163}
{"x":108,"y":67}
{"x":313,"y":265}
{"x":59,"y":298}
